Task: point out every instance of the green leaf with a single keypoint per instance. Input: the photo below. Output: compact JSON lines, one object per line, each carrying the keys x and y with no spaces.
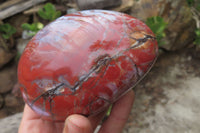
{"x":34,"y":27}
{"x":42,"y":14}
{"x":56,"y":15}
{"x":48,"y":12}
{"x":26,"y":26}
{"x":5,"y":36}
{"x":4,"y":27}
{"x":157,"y":25}
{"x":198,"y":7}
{"x":197,"y":38}
{"x":190,"y":2}
{"x":7,"y":30}
{"x":109,"y":110}
{"x":50,"y":7}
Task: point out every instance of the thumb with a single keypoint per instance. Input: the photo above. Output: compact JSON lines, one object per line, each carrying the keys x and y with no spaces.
{"x":77,"y":124}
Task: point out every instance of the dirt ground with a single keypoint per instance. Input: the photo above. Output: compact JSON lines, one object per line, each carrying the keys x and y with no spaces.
{"x":167,"y":100}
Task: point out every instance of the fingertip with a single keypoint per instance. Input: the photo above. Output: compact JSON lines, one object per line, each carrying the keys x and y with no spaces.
{"x":119,"y":114}
{"x":77,"y":124}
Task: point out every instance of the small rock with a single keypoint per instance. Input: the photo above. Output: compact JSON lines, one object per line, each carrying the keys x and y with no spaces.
{"x":21,"y":44}
{"x":3,"y":113}
{"x":8,"y":78}
{"x":11,"y":101}
{"x":16,"y":90}
{"x":13,"y":104}
{"x":97,"y":4}
{"x":189,"y":58}
{"x":5,"y":57}
{"x":125,"y":6}
{"x":14,"y":110}
{"x":27,"y":34}
{"x":71,"y":10}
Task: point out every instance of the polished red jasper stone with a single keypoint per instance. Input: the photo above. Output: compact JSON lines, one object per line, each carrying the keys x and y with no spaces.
{"x":83,"y":62}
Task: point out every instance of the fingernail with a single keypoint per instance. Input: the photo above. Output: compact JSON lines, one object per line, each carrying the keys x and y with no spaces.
{"x":71,"y":126}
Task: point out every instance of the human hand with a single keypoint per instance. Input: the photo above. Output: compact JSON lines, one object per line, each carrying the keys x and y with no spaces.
{"x":32,"y":123}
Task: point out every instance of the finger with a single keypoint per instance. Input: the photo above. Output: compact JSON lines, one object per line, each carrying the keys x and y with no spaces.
{"x":77,"y":124}
{"x":29,"y":114}
{"x":32,"y":123}
{"x":119,"y":114}
{"x":96,"y":119}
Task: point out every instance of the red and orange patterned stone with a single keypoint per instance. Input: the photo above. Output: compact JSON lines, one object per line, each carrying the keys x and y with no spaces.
{"x":83,"y":62}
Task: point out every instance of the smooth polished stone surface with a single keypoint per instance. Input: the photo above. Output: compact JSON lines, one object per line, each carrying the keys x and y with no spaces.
{"x":83,"y":62}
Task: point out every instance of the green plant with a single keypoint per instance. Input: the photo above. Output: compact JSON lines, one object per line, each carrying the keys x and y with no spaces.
{"x":198,"y":7}
{"x":34,"y":27}
{"x":157,"y":25}
{"x":7,"y":30}
{"x":48,"y":12}
{"x":190,"y":2}
{"x":197,"y":38}
{"x":194,"y":4}
{"x":109,"y":110}
{"x":195,"y":8}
